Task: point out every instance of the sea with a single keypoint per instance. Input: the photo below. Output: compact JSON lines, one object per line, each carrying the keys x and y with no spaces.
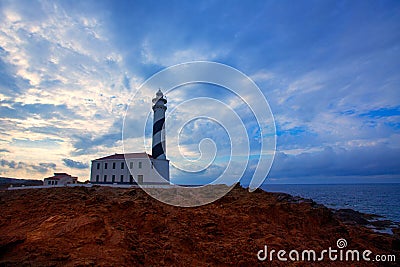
{"x":379,"y":199}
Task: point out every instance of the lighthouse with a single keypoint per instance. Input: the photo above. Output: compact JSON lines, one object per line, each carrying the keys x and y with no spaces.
{"x":159,"y":108}
{"x":137,"y":168}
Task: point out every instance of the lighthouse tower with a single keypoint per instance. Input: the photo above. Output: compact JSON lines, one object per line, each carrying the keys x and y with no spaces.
{"x":159,"y":108}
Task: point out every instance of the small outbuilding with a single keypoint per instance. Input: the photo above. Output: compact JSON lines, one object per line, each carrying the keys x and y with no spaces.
{"x":60,"y":178}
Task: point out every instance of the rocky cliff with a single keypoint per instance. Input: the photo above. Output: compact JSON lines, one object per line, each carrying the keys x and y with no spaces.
{"x":102,"y":226}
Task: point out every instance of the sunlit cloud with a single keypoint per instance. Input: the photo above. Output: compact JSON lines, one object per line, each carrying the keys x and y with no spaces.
{"x":68,"y":73}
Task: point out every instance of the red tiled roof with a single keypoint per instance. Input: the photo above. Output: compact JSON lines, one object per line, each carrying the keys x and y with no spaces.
{"x":59,"y":175}
{"x":126,"y":155}
{"x":53,"y":178}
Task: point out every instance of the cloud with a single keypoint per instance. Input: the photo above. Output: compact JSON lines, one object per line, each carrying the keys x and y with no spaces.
{"x":75,"y":164}
{"x":9,"y":84}
{"x":67,"y":72}
{"x":88,"y":144}
{"x":40,"y":167}
{"x":205,"y":176}
{"x":58,"y":72}
{"x":91,"y":143}
{"x":356,"y":161}
{"x":18,"y":110}
{"x":43,"y":167}
{"x":175,"y":55}
{"x":41,"y":143}
{"x":382,"y":112}
{"x":10,"y":164}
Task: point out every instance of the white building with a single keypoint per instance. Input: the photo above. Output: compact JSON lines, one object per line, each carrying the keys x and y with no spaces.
{"x":60,"y":178}
{"x":138,"y":168}
{"x":131,"y":168}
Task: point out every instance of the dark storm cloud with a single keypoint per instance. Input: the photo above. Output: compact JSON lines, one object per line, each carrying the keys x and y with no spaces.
{"x":89,"y":143}
{"x":75,"y":164}
{"x":356,"y":161}
{"x":41,"y":167}
{"x":18,"y":110}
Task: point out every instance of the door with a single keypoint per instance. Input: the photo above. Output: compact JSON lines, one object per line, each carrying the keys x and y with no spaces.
{"x":140,"y":179}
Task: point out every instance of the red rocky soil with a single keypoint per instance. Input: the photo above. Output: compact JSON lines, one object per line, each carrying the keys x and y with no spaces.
{"x":102,"y":226}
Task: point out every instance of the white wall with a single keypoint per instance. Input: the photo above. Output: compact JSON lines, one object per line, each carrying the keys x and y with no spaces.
{"x":148,"y":170}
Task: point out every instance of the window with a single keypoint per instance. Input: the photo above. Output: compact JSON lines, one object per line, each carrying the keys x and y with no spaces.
{"x":56,"y":182}
{"x":98,"y":165}
{"x":140,"y":179}
{"x":105,"y":178}
{"x":105,"y":165}
{"x":97,"y":177}
{"x":113,"y":178}
{"x":131,"y":179}
{"x":122,"y":178}
{"x":131,"y":165}
{"x":113,"y":165}
{"x":122,"y":165}
{"x":140,"y":164}
{"x":49,"y":182}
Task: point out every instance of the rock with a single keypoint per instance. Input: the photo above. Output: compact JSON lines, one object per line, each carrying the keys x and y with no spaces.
{"x":8,"y":243}
{"x":104,"y":226}
{"x":351,"y":216}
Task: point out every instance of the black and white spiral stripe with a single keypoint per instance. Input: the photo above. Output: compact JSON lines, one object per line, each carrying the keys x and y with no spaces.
{"x":159,"y":108}
{"x":158,"y":146}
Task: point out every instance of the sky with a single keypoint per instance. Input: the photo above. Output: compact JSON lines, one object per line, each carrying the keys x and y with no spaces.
{"x":330,"y":71}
